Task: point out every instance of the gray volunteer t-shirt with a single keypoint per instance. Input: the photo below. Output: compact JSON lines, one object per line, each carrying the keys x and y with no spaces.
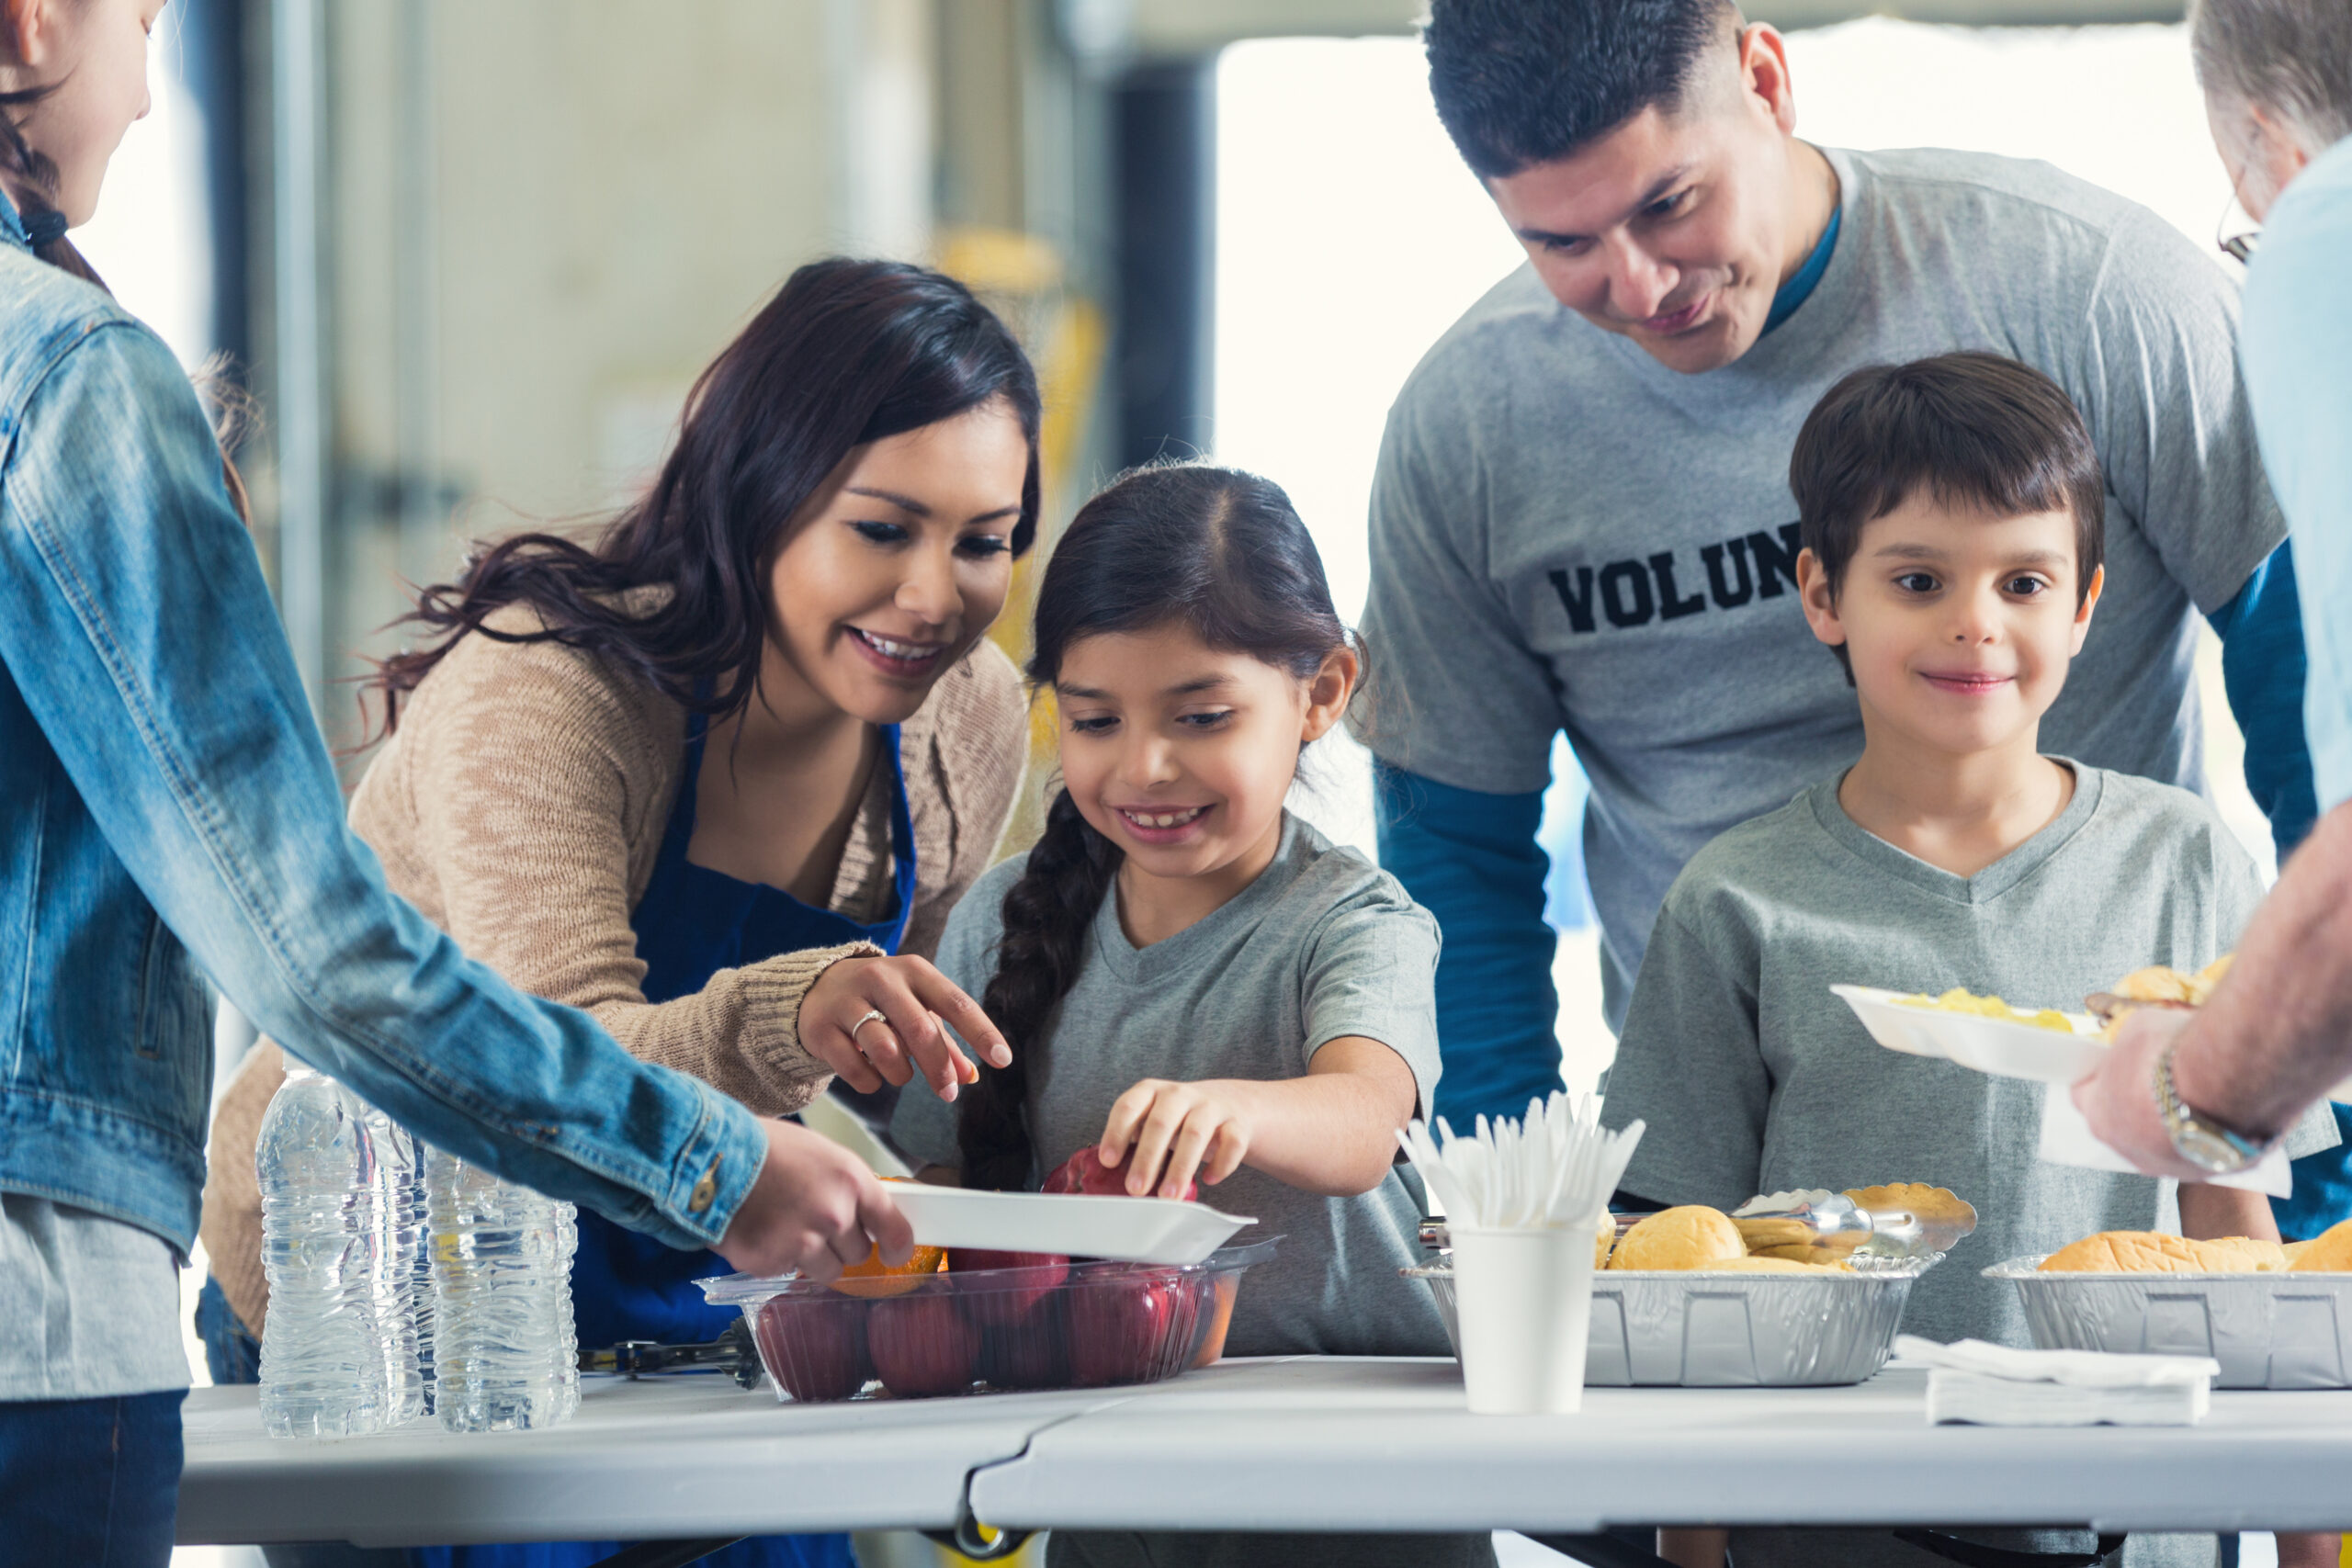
{"x":1754,"y":1078}
{"x":1322,"y":945}
{"x":1565,"y":533}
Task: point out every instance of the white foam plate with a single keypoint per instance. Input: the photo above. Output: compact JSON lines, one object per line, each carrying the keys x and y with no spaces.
{"x":1988,"y":1045}
{"x":1141,"y":1230}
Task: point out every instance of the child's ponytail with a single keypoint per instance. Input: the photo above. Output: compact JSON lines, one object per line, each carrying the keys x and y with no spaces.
{"x":25,"y":173}
{"x":28,"y":178}
{"x":1046,"y":913}
{"x":1220,"y":551}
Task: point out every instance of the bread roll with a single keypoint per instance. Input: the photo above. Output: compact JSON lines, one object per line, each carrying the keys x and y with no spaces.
{"x":2157,"y":984}
{"x":1768,"y":1266}
{"x":2259,"y":1257}
{"x":2330,"y":1252}
{"x":1603,"y":1239}
{"x":1693,"y":1236}
{"x":2129,"y":1252}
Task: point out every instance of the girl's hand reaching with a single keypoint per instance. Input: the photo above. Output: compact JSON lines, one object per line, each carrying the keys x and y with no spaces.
{"x":1332,"y":1132}
{"x":1176,"y":1130}
{"x":871,"y":1018}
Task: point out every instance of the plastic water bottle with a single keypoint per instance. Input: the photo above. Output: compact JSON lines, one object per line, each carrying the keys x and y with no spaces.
{"x":403,"y":1283}
{"x":323,"y":1362}
{"x":506,"y":1355}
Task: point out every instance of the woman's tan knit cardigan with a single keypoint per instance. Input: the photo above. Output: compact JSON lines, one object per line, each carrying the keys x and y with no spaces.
{"x":521,"y":806}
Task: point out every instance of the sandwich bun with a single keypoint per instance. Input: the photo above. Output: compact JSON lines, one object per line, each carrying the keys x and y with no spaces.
{"x":1691,"y":1236}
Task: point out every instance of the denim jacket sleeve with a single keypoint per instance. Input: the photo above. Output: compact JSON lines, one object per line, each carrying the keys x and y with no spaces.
{"x":134,"y":618}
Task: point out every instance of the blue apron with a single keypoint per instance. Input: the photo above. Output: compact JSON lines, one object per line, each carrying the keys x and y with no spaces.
{"x":693,"y":922}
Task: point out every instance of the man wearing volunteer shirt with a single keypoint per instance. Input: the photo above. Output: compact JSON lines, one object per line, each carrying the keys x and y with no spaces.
{"x":2277,"y":1033}
{"x":1582,"y":518}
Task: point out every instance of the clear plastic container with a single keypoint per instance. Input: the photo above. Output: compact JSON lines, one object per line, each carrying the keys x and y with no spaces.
{"x":1058,"y":1324}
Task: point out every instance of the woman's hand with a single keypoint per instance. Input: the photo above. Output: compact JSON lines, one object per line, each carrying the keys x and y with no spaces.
{"x":837,"y":1025}
{"x":1176,"y":1129}
{"x":814,"y":1207}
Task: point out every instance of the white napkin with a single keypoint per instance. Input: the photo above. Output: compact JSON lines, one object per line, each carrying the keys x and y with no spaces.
{"x":2066,"y":1140}
{"x":1993,"y":1385}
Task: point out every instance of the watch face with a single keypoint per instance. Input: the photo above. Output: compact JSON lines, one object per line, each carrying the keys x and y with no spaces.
{"x":2207,"y":1151}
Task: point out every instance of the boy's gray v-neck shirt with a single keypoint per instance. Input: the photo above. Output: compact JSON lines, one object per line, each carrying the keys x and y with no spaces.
{"x":1754,"y":1078}
{"x":1566,"y":534}
{"x":1322,"y":945}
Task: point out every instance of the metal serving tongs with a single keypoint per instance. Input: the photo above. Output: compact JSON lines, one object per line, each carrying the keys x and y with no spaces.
{"x":1907,"y":1219}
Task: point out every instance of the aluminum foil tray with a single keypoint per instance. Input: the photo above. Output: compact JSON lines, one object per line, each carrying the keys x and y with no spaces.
{"x":1702,"y":1330}
{"x":2267,"y":1330}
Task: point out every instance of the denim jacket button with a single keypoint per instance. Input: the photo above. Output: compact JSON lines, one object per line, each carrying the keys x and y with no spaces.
{"x":704,"y":1190}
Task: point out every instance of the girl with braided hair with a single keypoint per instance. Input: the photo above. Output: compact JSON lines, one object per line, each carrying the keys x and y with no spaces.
{"x":1191,"y":980}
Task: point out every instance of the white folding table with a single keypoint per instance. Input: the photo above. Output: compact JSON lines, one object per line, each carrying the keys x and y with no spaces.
{"x":1306,"y":1443}
{"x":663,"y":1457}
{"x":1331,"y":1444}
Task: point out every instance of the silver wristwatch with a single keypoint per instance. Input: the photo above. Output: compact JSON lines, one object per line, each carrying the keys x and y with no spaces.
{"x":2198,"y":1139}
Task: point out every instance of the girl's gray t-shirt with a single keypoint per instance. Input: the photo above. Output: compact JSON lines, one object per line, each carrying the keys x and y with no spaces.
{"x":1322,"y":945}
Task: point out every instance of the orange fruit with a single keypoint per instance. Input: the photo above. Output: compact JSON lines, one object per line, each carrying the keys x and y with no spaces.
{"x":875,"y":1278}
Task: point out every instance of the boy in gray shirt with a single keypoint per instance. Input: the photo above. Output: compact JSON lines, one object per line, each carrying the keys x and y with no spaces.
{"x":1952,"y":512}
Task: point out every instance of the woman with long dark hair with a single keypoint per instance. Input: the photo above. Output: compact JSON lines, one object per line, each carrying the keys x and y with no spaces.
{"x":717,"y":778}
{"x":169,"y":814}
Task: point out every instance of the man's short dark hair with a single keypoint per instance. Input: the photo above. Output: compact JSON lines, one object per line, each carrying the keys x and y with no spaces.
{"x":1524,"y":81}
{"x":1970,"y":429}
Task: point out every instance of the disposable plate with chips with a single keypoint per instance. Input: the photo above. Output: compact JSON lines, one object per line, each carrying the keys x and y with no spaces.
{"x":1982,"y":1032}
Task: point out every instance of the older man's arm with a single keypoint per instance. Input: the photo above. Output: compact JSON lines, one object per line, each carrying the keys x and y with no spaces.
{"x":2277,"y":1033}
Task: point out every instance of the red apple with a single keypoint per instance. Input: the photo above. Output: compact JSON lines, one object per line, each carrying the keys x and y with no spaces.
{"x":921,"y":1345}
{"x":1129,"y":1325}
{"x":815,"y":1344}
{"x":1030,"y":1354}
{"x":1005,"y":1300}
{"x":1085,"y":1172}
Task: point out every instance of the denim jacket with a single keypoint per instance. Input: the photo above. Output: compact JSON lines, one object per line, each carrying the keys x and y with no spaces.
{"x":167,"y":806}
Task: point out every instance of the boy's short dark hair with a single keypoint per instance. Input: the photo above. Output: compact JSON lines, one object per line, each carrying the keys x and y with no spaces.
{"x":1524,"y":81}
{"x":1972,"y":429}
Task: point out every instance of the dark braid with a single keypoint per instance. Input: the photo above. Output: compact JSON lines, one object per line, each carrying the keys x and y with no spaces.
{"x":1046,"y":913}
{"x":30,"y":179}
{"x":1217,"y":550}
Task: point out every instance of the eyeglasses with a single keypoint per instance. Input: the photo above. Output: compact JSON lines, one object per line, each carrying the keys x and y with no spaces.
{"x":2239,"y":232}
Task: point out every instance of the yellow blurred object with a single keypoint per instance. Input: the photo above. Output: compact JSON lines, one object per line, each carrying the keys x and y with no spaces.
{"x":1761,"y":1264}
{"x":999,"y":261}
{"x":2330,"y":1252}
{"x":1958,"y":999}
{"x":1603,"y":1239}
{"x":1024,"y":278}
